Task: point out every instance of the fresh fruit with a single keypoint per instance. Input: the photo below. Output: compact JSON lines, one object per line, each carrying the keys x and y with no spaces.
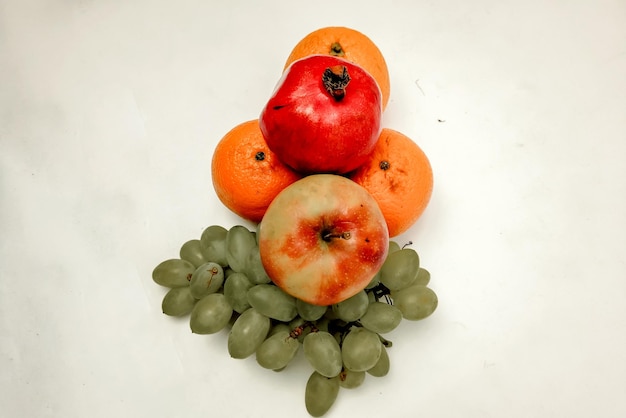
{"x":246,"y":174}
{"x":178,"y":301}
{"x":213,"y":244}
{"x":236,"y":291}
{"x":320,"y":394}
{"x":207,"y":279}
{"x":310,"y":312}
{"x":352,"y":308}
{"x":416,"y":302}
{"x":361,"y":349}
{"x":324,"y":116}
{"x":399,"y":176}
{"x":192,"y":252}
{"x":322,"y":239}
{"x":381,"y":368}
{"x":423,"y":277}
{"x":254,"y":269}
{"x":277,"y":350}
{"x":400,"y":269}
{"x":210,"y":314}
{"x":173,"y":273}
{"x":349,"y":44}
{"x":272,"y":302}
{"x":323,"y":353}
{"x":329,"y":187}
{"x":342,"y":343}
{"x":248,"y":333}
{"x":381,"y":317}
{"x":239,"y":241}
{"x":349,"y":379}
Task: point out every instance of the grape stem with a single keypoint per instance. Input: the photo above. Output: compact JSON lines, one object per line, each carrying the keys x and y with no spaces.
{"x":385,"y":341}
{"x":380,"y":291}
{"x":297,"y":331}
{"x":345,"y":328}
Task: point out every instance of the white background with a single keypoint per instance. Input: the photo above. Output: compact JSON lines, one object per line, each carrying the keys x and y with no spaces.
{"x":109,"y":113}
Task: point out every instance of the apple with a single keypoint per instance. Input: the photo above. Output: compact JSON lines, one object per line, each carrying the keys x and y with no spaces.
{"x":324,"y":115}
{"x":322,"y":239}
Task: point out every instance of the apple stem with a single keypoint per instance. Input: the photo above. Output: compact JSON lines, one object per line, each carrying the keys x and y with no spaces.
{"x":335,"y":80}
{"x":328,"y":236}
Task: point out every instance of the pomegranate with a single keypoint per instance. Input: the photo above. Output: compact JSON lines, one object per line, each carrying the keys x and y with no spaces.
{"x":324,"y":115}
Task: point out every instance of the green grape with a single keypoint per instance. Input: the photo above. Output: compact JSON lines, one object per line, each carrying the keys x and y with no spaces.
{"x":239,"y":242}
{"x":381,"y":317}
{"x":423,"y":277}
{"x":247,"y":334}
{"x":415,"y":302}
{"x":254,"y":267}
{"x":279,"y":327}
{"x":211,"y":314}
{"x":400,"y":269}
{"x":393,"y":247}
{"x":360,"y":349}
{"x":236,"y":291}
{"x":272,"y":301}
{"x":277,"y":350}
{"x":323,"y":353}
{"x":352,"y":308}
{"x":320,"y":394}
{"x":350,"y":379}
{"x":178,"y":301}
{"x":213,"y":244}
{"x":173,"y":273}
{"x":381,"y":368}
{"x":207,"y":279}
{"x":310,"y":312}
{"x":192,"y":252}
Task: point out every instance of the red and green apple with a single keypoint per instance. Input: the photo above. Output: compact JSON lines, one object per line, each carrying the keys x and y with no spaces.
{"x":323,"y":238}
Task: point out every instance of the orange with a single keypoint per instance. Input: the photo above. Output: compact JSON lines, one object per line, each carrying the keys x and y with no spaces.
{"x":349,"y":44}
{"x":399,"y":176}
{"x":246,"y":174}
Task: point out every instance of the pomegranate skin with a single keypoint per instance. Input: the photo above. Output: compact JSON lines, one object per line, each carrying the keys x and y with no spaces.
{"x":312,"y":127}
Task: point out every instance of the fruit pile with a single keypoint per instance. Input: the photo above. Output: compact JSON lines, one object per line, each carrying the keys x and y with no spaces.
{"x":327,"y":187}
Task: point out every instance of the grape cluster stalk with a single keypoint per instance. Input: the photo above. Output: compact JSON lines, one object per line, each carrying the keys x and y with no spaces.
{"x":220,"y":283}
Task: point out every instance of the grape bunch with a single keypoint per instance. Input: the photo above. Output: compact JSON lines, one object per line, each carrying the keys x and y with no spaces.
{"x":219,"y":281}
